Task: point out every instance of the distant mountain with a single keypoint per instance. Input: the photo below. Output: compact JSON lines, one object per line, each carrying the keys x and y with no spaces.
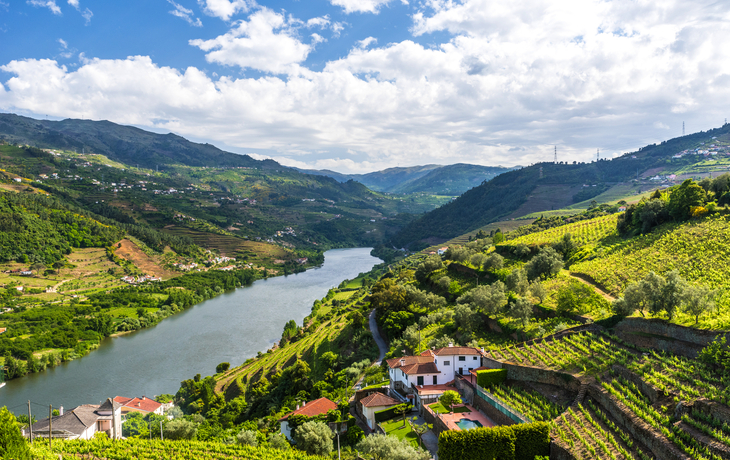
{"x":452,"y":180}
{"x":505,"y":194}
{"x":125,"y":144}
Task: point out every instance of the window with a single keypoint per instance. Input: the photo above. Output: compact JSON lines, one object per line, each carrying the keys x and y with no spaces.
{"x":435,"y":379}
{"x":462,"y":358}
{"x":475,"y":358}
{"x":420,"y":380}
{"x":446,"y":363}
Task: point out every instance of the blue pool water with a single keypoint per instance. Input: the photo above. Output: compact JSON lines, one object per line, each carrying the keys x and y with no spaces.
{"x":466,"y":424}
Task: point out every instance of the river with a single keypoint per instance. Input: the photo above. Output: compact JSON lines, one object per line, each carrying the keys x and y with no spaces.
{"x":229,"y":328}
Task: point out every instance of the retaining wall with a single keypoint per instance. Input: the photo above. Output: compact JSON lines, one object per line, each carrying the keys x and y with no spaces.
{"x":661,"y":447}
{"x":660,"y":334}
{"x":492,"y":412}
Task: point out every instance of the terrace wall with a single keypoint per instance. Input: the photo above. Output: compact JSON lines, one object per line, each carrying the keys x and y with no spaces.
{"x":660,"y":334}
{"x":558,"y":452}
{"x":492,"y":412}
{"x":648,"y":390}
{"x":661,"y":447}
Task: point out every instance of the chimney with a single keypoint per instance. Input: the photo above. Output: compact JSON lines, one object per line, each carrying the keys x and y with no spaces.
{"x":402,"y":362}
{"x":304,"y":403}
{"x":60,"y":410}
{"x":451,"y":344}
{"x":297,"y":406}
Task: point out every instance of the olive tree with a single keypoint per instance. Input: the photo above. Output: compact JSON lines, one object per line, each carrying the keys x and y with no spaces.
{"x":315,"y":438}
{"x":384,"y":447}
{"x":545,"y":264}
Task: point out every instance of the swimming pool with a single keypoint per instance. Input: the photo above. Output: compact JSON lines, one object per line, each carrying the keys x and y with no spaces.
{"x":466,"y":424}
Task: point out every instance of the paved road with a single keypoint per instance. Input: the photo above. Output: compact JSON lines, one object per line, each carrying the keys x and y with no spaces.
{"x":382,"y":346}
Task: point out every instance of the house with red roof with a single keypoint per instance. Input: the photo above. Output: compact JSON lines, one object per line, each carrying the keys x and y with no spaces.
{"x":144,"y":405}
{"x":311,"y":409}
{"x":429,"y":374}
{"x":375,"y":403}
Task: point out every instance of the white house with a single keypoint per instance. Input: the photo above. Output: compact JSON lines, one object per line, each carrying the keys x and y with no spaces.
{"x":430,"y":374}
{"x":310,"y":409}
{"x":81,"y":422}
{"x":375,"y":403}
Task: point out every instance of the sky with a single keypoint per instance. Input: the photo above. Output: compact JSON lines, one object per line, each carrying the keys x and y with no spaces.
{"x":362,"y":85}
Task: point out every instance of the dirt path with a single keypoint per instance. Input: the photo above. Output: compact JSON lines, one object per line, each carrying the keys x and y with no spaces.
{"x":382,"y":346}
{"x":129,"y":251}
{"x":55,"y":287}
{"x":585,"y":279}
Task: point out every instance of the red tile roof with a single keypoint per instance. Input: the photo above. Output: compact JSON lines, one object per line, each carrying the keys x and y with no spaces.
{"x":144,"y":403}
{"x":377,"y":400}
{"x":458,"y":351}
{"x":2,"y":329}
{"x":312,"y":408}
{"x":420,"y":368}
{"x":395,"y":363}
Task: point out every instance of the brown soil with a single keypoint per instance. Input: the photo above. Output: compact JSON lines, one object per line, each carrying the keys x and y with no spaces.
{"x":129,"y":251}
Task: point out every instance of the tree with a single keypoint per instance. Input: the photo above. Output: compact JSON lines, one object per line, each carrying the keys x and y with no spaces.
{"x":522,"y":310}
{"x":493,"y":262}
{"x":354,"y":435}
{"x":278,"y":441}
{"x":633,"y":299}
{"x":384,"y":447}
{"x":180,"y":429}
{"x":578,"y":297}
{"x":135,"y":426}
{"x":428,"y":266}
{"x":449,"y":398}
{"x":402,"y":409}
{"x":222,"y":367}
{"x":315,"y":438}
{"x":477,"y":260}
{"x":466,"y":319}
{"x":443,"y":284}
{"x":699,"y":300}
{"x":521,"y":251}
{"x":497,"y":238}
{"x":489,"y":299}
{"x":12,"y":443}
{"x":538,"y":290}
{"x":545,"y":264}
{"x":247,"y":438}
{"x":517,"y":281}
{"x":566,"y":246}
{"x":684,"y":198}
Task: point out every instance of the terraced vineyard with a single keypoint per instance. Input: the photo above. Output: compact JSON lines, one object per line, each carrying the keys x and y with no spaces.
{"x":142,"y":449}
{"x":583,"y":352}
{"x":700,"y":251}
{"x":583,"y":232}
{"x":687,"y":379}
{"x":529,"y":403}
{"x":588,"y":433}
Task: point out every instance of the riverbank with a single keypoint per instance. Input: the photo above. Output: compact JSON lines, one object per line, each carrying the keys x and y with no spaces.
{"x":230,"y":327}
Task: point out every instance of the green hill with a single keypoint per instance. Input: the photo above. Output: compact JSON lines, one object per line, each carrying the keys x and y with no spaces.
{"x":548,"y":186}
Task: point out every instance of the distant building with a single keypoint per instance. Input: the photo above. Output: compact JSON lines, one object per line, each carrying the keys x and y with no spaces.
{"x":443,"y":250}
{"x":313,"y":408}
{"x":81,"y":422}
{"x":144,"y":405}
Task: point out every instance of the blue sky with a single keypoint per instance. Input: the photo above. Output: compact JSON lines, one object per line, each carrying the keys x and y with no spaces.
{"x":360,"y":85}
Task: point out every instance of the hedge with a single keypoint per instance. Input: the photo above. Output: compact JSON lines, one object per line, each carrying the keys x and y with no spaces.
{"x":387,"y":414}
{"x":487,"y":378}
{"x":513,"y":442}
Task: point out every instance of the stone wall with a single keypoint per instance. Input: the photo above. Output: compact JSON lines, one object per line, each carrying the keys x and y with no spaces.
{"x":538,"y":375}
{"x":713,"y":408}
{"x":661,"y":447}
{"x":492,"y":412}
{"x":648,"y":390}
{"x":465,"y":389}
{"x":558,"y":452}
{"x":662,"y":335}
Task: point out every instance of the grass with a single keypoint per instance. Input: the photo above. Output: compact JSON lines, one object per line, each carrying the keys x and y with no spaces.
{"x":394,"y":427}
{"x":441,"y":409}
{"x":378,"y":385}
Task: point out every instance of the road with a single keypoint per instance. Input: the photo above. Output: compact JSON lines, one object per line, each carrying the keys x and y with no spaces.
{"x":382,"y":346}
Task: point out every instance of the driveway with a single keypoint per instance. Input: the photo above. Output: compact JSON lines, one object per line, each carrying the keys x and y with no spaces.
{"x":382,"y":346}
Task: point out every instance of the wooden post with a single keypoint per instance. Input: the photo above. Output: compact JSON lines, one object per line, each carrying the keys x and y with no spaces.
{"x":50,"y":424}
{"x":30,"y":423}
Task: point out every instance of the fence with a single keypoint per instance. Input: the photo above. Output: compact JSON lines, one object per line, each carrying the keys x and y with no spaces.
{"x":502,"y":407}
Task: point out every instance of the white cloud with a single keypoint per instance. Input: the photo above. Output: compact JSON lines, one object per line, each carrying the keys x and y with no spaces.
{"x":74,"y":3}
{"x":50,"y":4}
{"x":225,"y":9}
{"x":63,"y":43}
{"x":317,"y":38}
{"x":87,"y":14}
{"x":185,"y":13}
{"x":508,"y":86}
{"x":361,"y":6}
{"x":265,"y":42}
{"x":367,"y":42}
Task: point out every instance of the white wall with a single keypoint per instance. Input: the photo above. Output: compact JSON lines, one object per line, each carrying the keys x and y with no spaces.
{"x":449,"y":371}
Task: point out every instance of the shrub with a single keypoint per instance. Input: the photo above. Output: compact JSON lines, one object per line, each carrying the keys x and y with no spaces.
{"x":222,"y":367}
{"x":315,"y":438}
{"x":247,"y":438}
{"x":387,"y":414}
{"x":490,"y":377}
{"x":514,"y":442}
{"x":180,"y":429}
{"x":12,"y":443}
{"x":384,"y":447}
{"x":531,"y":440}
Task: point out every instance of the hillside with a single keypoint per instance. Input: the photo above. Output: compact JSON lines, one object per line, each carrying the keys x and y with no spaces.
{"x":549,"y":186}
{"x":450,"y":180}
{"x":125,"y":144}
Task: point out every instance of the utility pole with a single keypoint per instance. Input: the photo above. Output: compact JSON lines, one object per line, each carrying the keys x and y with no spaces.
{"x":161,"y":437}
{"x":50,"y":425}
{"x":598,"y":154}
{"x":30,"y":423}
{"x":682,"y":128}
{"x":114,"y":419}
{"x":556,"y":154}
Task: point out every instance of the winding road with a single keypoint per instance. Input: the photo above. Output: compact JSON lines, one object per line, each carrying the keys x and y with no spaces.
{"x":382,"y":346}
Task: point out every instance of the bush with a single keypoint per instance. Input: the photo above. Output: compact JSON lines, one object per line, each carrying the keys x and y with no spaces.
{"x":247,"y":438}
{"x":354,"y":435}
{"x":222,"y":367}
{"x":387,"y":414}
{"x":180,"y":429}
{"x":514,"y":442}
{"x":384,"y":447}
{"x":496,"y":443}
{"x":278,"y":441}
{"x":487,"y":378}
{"x":315,"y":438}
{"x":12,"y":443}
